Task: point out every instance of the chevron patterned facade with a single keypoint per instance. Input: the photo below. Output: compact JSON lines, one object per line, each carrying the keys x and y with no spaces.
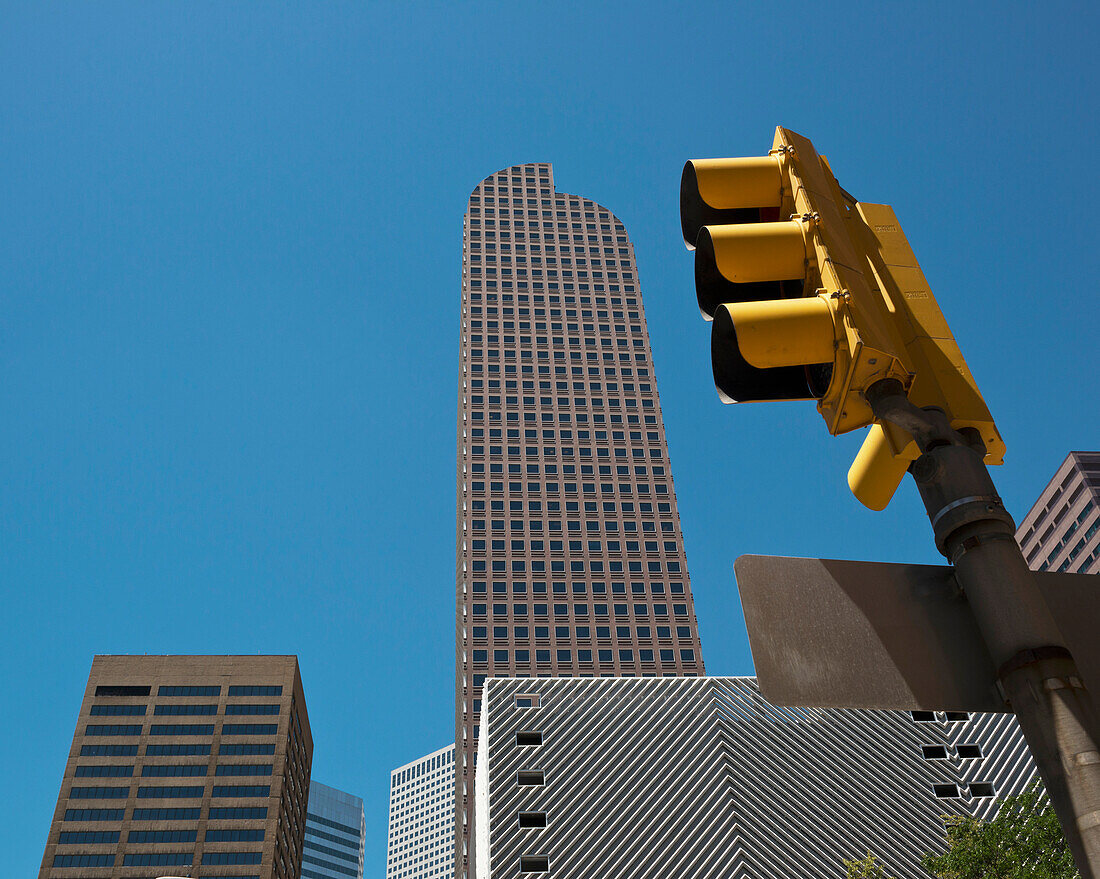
{"x":701,"y":778}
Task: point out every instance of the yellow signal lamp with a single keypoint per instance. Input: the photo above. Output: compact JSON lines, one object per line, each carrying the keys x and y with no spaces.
{"x":750,"y":261}
{"x":781,"y":349}
{"x":728,"y":191}
{"x":757,"y":251}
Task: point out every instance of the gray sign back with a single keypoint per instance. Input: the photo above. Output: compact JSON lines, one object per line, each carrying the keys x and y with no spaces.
{"x":835,"y":633}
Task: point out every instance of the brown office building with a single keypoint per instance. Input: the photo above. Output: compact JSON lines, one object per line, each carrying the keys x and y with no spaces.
{"x":570,"y":560}
{"x":185,"y":765}
{"x":1061,"y":532}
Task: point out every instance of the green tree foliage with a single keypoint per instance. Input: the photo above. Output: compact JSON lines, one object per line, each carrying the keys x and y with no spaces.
{"x":866,"y":868}
{"x":1024,"y":841}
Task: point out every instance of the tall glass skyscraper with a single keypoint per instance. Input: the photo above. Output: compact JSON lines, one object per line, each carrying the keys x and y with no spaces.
{"x":336,"y":832}
{"x":570,"y":560}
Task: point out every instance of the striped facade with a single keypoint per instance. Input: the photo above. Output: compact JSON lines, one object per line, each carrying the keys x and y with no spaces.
{"x":704,"y":778}
{"x":336,"y":832}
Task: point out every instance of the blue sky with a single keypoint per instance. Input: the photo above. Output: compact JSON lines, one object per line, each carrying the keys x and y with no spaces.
{"x":229,"y":278}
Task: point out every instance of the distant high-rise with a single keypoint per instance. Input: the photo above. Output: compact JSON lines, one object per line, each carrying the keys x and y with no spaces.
{"x":570,"y":560}
{"x":1061,"y":532}
{"x":705,"y":779}
{"x":421,"y":832}
{"x":336,"y":833}
{"x":182,"y":762}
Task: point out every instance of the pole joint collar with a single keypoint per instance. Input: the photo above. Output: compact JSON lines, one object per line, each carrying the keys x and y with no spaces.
{"x":1033,"y":656}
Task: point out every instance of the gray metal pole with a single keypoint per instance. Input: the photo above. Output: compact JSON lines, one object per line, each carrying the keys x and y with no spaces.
{"x":1037,"y":675}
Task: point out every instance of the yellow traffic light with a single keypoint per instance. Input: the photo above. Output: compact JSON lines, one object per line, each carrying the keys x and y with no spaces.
{"x":786,"y":332}
{"x":727,"y":190}
{"x":754,"y":252}
{"x":773,"y":350}
{"x":817,"y":296}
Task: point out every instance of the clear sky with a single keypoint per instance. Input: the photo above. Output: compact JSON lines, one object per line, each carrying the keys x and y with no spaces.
{"x":229,"y":303}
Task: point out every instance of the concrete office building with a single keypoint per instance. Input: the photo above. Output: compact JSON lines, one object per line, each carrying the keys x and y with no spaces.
{"x":570,"y":560}
{"x":421,"y":832}
{"x":703,"y":778}
{"x":185,"y":765}
{"x":1061,"y":532}
{"x":336,"y":832}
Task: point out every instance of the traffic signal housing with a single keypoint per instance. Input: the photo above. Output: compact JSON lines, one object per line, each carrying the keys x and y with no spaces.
{"x":816,"y":296}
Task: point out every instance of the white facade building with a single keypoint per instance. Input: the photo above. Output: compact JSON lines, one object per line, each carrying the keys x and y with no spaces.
{"x":670,"y":778}
{"x":422,"y":816}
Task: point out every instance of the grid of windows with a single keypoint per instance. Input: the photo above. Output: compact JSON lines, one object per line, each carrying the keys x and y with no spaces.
{"x":421,"y":818}
{"x":164,"y":767}
{"x":1061,"y":532}
{"x":570,"y":556}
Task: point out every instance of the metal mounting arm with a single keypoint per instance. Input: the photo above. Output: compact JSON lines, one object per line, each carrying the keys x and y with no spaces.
{"x":1036,"y":673}
{"x":929,"y":427}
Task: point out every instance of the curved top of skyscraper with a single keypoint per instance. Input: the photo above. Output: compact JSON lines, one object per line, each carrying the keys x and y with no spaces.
{"x":530,"y":176}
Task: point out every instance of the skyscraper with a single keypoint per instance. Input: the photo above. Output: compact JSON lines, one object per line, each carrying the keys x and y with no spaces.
{"x":421,"y":841}
{"x":704,"y":778}
{"x":336,"y":833}
{"x":179,"y":762}
{"x":570,"y":560}
{"x":1061,"y":532}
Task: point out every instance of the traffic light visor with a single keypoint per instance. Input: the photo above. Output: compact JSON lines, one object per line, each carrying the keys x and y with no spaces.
{"x":783,"y":332}
{"x":747,"y":262}
{"x":773,"y":350}
{"x":756,"y":251}
{"x":727,"y":191}
{"x":877,"y":471}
